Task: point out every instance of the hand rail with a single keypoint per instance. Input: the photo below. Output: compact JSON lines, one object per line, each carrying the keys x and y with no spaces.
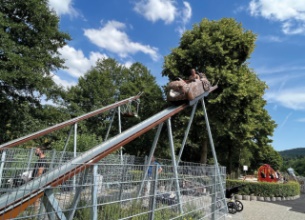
{"x":66,"y":123}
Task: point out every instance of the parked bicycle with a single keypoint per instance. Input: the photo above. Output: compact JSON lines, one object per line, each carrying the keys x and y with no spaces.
{"x":233,"y":205}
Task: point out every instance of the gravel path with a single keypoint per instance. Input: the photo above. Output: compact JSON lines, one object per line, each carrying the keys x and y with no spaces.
{"x":280,"y":210}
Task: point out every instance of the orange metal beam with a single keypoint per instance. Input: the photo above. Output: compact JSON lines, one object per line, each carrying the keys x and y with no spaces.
{"x":13,"y":213}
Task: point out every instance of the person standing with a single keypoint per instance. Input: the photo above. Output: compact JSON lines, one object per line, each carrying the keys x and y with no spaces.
{"x":153,"y":164}
{"x":150,"y":178}
{"x":40,"y":166}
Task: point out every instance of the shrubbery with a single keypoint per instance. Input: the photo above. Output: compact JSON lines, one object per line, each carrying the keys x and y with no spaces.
{"x":266,"y":189}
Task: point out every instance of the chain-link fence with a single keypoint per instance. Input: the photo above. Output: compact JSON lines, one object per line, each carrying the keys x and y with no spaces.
{"x":116,"y":188}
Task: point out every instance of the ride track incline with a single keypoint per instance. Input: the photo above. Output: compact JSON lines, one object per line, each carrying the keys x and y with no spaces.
{"x":12,"y":204}
{"x":66,"y":123}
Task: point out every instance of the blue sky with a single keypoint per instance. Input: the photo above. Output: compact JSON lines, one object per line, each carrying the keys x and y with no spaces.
{"x":146,"y":30}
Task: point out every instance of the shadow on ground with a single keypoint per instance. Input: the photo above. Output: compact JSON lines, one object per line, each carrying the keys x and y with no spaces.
{"x":296,"y":205}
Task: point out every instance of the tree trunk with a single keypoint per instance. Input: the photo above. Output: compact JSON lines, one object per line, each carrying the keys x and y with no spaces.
{"x":204,"y":152}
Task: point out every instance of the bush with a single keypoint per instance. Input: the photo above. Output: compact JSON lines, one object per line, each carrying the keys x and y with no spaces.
{"x":266,"y":189}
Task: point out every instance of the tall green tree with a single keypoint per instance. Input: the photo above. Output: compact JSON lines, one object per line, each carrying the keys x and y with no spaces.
{"x":29,"y":42}
{"x":108,"y":82}
{"x":236,"y":109}
{"x":297,"y":163}
{"x":151,"y":102}
{"x":267,"y":155}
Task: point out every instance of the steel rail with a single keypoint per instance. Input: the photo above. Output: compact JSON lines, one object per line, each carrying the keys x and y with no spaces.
{"x":66,"y":123}
{"x":14,"y":203}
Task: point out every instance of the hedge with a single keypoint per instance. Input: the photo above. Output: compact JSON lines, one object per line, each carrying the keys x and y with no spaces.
{"x":266,"y":189}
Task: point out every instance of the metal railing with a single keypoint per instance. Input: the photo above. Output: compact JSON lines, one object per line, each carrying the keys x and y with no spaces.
{"x":75,"y":174}
{"x":110,"y":189}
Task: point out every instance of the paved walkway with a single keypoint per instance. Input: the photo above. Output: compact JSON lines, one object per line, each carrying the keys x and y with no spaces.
{"x":279,"y":210}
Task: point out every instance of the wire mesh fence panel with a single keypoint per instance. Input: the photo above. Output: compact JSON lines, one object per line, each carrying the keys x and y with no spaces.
{"x":116,"y":188}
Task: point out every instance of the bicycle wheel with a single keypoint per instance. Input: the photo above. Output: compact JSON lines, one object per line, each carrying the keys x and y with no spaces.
{"x":239,"y":205}
{"x":232,"y":207}
{"x":220,"y":204}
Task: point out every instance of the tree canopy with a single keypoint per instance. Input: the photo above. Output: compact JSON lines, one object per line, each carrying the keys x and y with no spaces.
{"x":241,"y":127}
{"x":236,"y":110}
{"x":30,"y":38}
{"x":108,"y":82}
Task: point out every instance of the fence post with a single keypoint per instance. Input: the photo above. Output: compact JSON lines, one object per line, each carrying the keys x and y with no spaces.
{"x":74,"y":150}
{"x":123,"y":176}
{"x":214,"y":195}
{"x":53,"y":159}
{"x":2,"y":165}
{"x":153,"y":191}
{"x":94,"y":193}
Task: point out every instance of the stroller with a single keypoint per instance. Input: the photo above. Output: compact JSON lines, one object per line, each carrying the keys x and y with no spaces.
{"x":234,"y":205}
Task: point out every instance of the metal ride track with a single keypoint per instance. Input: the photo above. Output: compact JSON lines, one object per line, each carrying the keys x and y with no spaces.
{"x":11,"y":205}
{"x":16,"y":202}
{"x":66,"y":123}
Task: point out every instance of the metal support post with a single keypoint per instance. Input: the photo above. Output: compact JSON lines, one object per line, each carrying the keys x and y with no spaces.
{"x":75,"y":139}
{"x":120,"y":131}
{"x":66,"y":144}
{"x":187,"y":132}
{"x":152,"y":200}
{"x":75,"y":147}
{"x":214,"y":193}
{"x":152,"y":151}
{"x":185,"y":138}
{"x":213,"y":150}
{"x":174,"y":164}
{"x":109,"y":127}
{"x":52,"y":206}
{"x":53,"y":159}
{"x":123,"y":175}
{"x":76,"y":198}
{"x":30,"y":159}
{"x":121,"y":153}
{"x":94,"y":193}
{"x":2,"y":165}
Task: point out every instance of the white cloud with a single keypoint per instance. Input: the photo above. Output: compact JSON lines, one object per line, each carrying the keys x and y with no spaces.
{"x":166,"y":10}
{"x":154,"y":10}
{"x":291,"y":28}
{"x":301,"y":120}
{"x":76,"y":62}
{"x":111,"y":37}
{"x":279,"y":82}
{"x":186,"y":15}
{"x":270,"y":38}
{"x":289,"y":98}
{"x":290,"y":13}
{"x":63,"y":83}
{"x":264,"y":70}
{"x":128,"y":64}
{"x":62,"y":7}
{"x":186,"y":12}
